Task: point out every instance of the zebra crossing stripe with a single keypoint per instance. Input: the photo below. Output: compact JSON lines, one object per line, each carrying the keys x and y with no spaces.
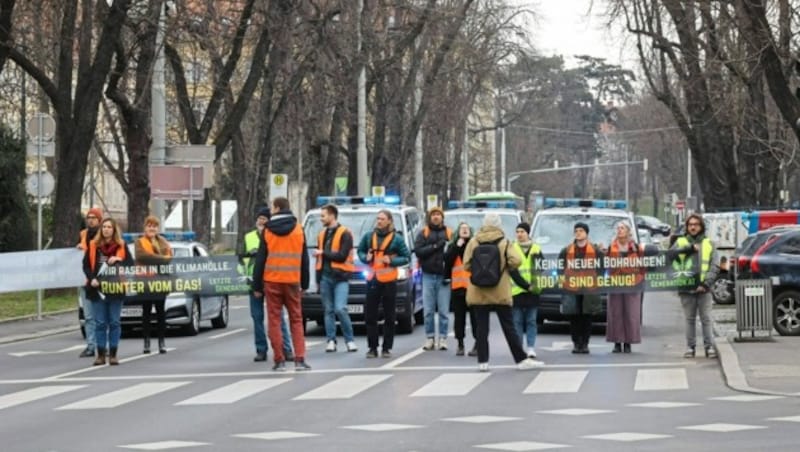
{"x":33,"y":394}
{"x":660,"y":380}
{"x":123,"y":396}
{"x":343,"y":387}
{"x":234,"y":391}
{"x":451,"y":385}
{"x":557,"y":381}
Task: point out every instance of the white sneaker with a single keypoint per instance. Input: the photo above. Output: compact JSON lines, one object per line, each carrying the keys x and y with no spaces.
{"x":441,"y":344}
{"x":528,"y":364}
{"x":331,"y":347}
{"x":483,"y":367}
{"x":428,"y":344}
{"x":352,"y":347}
{"x":531,"y":353}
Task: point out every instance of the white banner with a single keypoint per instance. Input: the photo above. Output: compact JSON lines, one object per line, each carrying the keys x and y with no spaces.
{"x":48,"y":269}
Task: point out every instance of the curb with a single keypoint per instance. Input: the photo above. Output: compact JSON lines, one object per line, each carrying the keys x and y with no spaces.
{"x":37,"y":335}
{"x":33,"y":316}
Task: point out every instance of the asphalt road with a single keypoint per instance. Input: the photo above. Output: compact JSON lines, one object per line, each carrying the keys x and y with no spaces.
{"x":208,"y":394}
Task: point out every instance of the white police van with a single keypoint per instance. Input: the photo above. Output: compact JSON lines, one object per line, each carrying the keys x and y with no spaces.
{"x":552,"y":230}
{"x":358,"y":215}
{"x":472,"y":213}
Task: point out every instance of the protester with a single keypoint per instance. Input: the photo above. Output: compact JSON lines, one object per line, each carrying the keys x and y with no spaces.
{"x":523,"y":290}
{"x":383,"y":249}
{"x":93,"y":218}
{"x":106,"y":249}
{"x":429,"y":248}
{"x":489,"y":257}
{"x":334,"y":267}
{"x":694,"y":245}
{"x":153,"y":249}
{"x":623,"y":315}
{"x":459,"y":281}
{"x":281,"y":273}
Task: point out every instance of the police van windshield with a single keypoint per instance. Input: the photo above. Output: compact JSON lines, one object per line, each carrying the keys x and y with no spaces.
{"x":509,"y":221}
{"x":359,"y":223}
{"x":554,"y":232}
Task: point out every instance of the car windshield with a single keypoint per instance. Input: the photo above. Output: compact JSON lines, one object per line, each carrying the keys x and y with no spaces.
{"x":475,"y":219}
{"x":754,"y":242}
{"x":554,"y":232}
{"x":358,"y":222}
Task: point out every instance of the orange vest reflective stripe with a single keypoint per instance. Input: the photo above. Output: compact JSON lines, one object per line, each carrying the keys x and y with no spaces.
{"x":336,"y":244}
{"x":284,"y":256}
{"x":93,"y":254}
{"x":633,"y":250}
{"x":82,"y":243}
{"x":460,"y":277}
{"x":385,"y":273}
{"x":569,"y":272}
{"x":148,"y":246}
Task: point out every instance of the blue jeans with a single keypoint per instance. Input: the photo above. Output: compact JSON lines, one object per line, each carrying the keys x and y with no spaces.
{"x":435,"y":296}
{"x":260,"y":330}
{"x":525,"y":323}
{"x":88,"y":317}
{"x":107,"y":322}
{"x":334,"y":300}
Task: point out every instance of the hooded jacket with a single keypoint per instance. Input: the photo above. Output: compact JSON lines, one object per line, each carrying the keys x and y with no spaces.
{"x":430,"y":249}
{"x":501,"y":293}
{"x":280,"y":224}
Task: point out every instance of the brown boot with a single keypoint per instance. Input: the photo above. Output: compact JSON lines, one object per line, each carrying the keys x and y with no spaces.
{"x":112,"y":357}
{"x":101,"y":357}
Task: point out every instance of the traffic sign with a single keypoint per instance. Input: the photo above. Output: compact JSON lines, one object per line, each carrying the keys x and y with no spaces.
{"x":41,"y":127}
{"x":278,"y":185}
{"x":47,"y":148}
{"x":41,"y":180}
{"x":433,"y":200}
{"x":378,"y":190}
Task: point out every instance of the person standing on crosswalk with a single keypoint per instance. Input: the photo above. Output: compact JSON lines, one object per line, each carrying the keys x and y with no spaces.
{"x":282,"y":262}
{"x":459,"y":280}
{"x":429,"y":247}
{"x":334,"y":267}
{"x":383,"y":250}
{"x":153,"y":249}
{"x":523,"y":290}
{"x":489,"y":257}
{"x":93,"y":218}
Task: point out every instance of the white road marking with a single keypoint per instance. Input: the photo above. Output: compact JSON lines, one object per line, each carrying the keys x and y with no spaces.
{"x":164,"y":445}
{"x":664,"y":404}
{"x":40,"y":352}
{"x":30,"y":395}
{"x":660,"y":380}
{"x":785,"y":419}
{"x":628,"y":436}
{"x":481,"y":419}
{"x":520,"y":446}
{"x":407,"y":357}
{"x":123,"y":396}
{"x":234,"y":391}
{"x":228,"y":333}
{"x":343,"y":387}
{"x":94,"y":368}
{"x":381,"y":427}
{"x":576,"y":411}
{"x":722,"y":428}
{"x":747,"y":398}
{"x":554,"y":382}
{"x":283,"y":434}
{"x":451,"y":385}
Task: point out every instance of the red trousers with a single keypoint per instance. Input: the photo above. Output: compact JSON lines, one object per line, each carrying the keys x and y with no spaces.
{"x":278,"y":296}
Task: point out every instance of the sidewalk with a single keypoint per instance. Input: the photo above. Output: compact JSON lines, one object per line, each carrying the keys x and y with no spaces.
{"x":763,"y":366}
{"x":23,"y":329}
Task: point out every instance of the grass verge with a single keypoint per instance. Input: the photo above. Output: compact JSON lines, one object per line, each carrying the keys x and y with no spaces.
{"x":20,"y":304}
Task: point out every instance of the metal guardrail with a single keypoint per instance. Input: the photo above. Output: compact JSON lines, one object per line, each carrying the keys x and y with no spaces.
{"x":753,"y":306}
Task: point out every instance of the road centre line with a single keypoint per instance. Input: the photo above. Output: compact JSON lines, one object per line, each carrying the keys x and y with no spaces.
{"x":93,"y":368}
{"x":227,"y":333}
{"x":408,"y":356}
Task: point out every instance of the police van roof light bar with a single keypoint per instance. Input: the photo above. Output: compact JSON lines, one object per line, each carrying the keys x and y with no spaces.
{"x":577,"y":202}
{"x":180,"y":236}
{"x":355,"y":200}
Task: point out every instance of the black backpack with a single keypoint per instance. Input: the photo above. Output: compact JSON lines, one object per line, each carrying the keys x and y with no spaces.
{"x":486,"y":266}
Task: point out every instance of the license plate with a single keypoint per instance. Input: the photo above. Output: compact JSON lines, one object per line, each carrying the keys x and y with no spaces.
{"x":132,"y":312}
{"x":355,"y":308}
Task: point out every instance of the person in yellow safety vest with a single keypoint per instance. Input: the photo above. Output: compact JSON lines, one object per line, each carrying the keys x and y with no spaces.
{"x":524,"y":292}
{"x":248,"y":252}
{"x":698,"y":301}
{"x":459,"y":281}
{"x":383,"y":249}
{"x":93,"y":218}
{"x":281,"y":273}
{"x":333,"y":270}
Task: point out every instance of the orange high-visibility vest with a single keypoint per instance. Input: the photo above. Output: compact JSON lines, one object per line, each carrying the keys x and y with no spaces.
{"x":460,"y":276}
{"x":93,"y":254}
{"x":384,"y":272}
{"x":336,"y":244}
{"x":614,"y":251}
{"x":82,"y":243}
{"x":284,"y":256}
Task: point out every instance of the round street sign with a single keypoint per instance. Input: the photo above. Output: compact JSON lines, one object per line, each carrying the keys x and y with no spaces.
{"x":41,"y":127}
{"x":43,"y":178}
{"x":278,"y":179}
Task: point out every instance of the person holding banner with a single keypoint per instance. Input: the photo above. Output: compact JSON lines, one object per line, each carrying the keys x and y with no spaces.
{"x":623,"y":326}
{"x":524,"y":292}
{"x":153,"y":249}
{"x":93,"y":218}
{"x":459,"y":281}
{"x":581,"y":267}
{"x":687,"y":249}
{"x":106,"y":249}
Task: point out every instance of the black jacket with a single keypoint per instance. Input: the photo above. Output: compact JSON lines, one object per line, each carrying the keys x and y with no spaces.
{"x":91,"y":292}
{"x":430,"y":249}
{"x":280,"y":224}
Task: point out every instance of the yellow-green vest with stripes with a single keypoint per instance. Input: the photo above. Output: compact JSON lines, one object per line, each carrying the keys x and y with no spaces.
{"x":706,"y":250}
{"x":525,"y":269}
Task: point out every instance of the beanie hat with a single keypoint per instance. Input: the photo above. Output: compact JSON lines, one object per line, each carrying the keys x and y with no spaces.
{"x":581,"y":225}
{"x":435,"y":209}
{"x":263,"y":212}
{"x":95,"y":211}
{"x":492,"y":219}
{"x":525,"y":227}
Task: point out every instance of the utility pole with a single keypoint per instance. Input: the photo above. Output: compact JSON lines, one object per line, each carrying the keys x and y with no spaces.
{"x":158,"y":110}
{"x":361,"y":156}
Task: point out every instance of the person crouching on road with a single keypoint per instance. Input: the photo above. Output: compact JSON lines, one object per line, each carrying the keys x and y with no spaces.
{"x":334,"y":267}
{"x":93,"y":218}
{"x":489,"y":257}
{"x":459,"y":280}
{"x":249,"y":251}
{"x":383,"y":250}
{"x":107,"y":248}
{"x":623,"y":326}
{"x":282,"y":264}
{"x":524,"y":293}
{"x":429,"y":248}
{"x":153,"y":249}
